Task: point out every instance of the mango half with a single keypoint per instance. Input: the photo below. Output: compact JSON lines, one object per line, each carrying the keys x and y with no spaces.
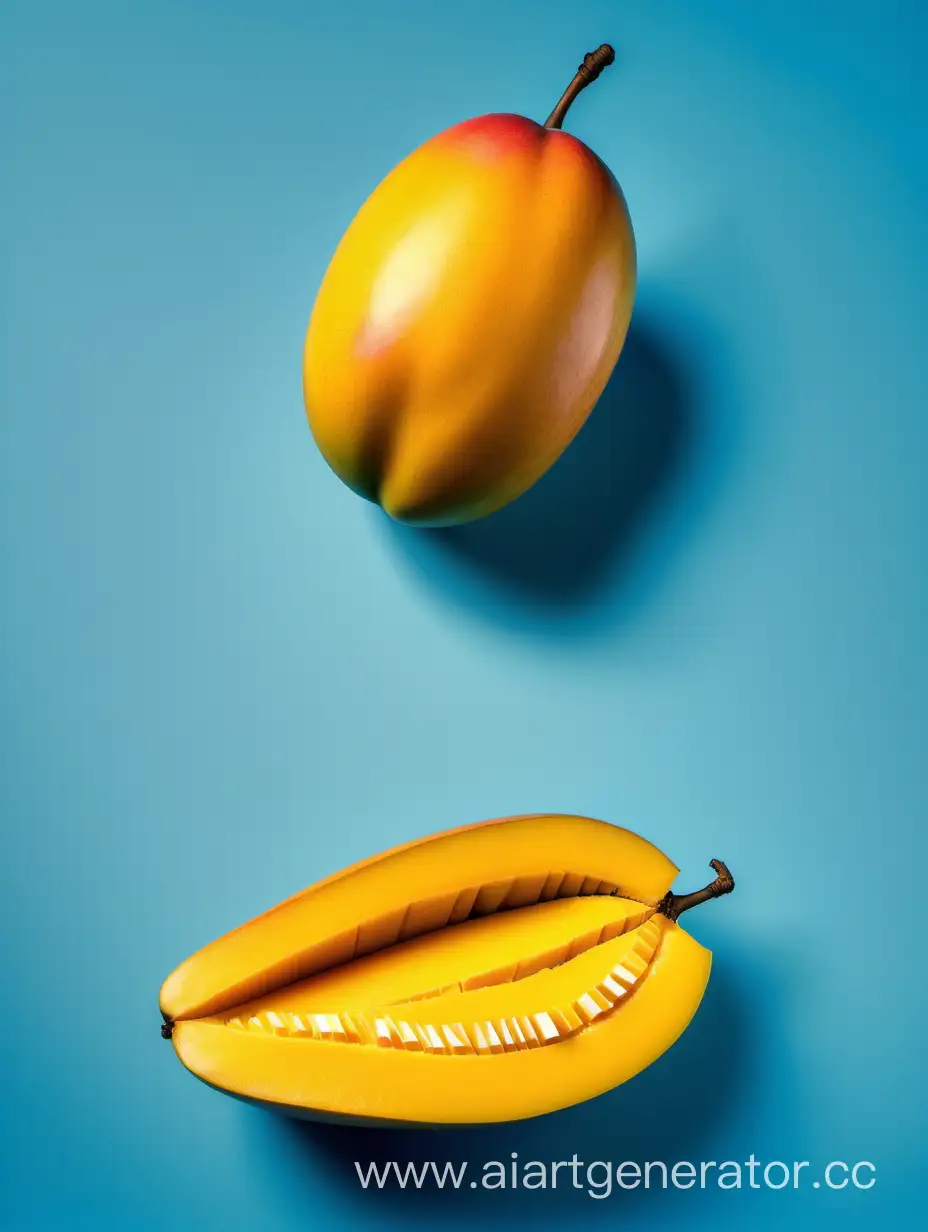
{"x":489,"y":973}
{"x":471,"y":316}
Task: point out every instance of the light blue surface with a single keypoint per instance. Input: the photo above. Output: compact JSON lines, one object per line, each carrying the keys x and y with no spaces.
{"x":225,"y":676}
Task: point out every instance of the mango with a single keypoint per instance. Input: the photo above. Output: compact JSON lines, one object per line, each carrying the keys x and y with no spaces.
{"x":471,"y":316}
{"x":488,"y":973}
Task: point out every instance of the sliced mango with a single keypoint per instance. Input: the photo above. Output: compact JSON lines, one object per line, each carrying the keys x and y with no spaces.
{"x":489,"y":973}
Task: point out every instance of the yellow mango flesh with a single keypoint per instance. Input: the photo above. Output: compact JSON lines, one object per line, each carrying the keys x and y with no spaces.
{"x":479,"y":952}
{"x":554,"y":989}
{"x":465,"y":988}
{"x":422,"y":885}
{"x":369,"y":1083}
{"x":469,"y":319}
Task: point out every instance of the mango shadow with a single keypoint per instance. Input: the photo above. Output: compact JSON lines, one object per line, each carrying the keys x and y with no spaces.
{"x":557,"y":546}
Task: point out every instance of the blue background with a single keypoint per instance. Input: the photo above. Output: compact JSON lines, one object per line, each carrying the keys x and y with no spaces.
{"x":225,"y":676}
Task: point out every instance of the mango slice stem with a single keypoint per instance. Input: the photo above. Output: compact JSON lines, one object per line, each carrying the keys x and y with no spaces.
{"x":593,"y":64}
{"x":673,"y":905}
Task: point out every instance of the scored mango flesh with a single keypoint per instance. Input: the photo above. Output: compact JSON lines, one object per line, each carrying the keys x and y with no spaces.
{"x":484,"y":957}
{"x":464,"y":991}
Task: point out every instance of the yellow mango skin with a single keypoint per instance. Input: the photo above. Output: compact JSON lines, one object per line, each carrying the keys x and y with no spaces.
{"x":469,"y":319}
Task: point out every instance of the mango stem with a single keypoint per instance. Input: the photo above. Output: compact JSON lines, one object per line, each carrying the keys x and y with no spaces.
{"x":673,"y":905}
{"x":593,"y":64}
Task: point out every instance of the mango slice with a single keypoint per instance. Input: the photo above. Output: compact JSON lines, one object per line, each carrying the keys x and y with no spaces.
{"x":488,"y":973}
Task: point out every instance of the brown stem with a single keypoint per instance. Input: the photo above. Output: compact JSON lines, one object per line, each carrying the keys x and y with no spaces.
{"x":167,"y":1027}
{"x":593,"y":64}
{"x":673,"y":905}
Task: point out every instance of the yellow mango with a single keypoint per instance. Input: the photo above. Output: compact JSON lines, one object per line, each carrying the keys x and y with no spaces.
{"x":488,"y":973}
{"x":471,"y":316}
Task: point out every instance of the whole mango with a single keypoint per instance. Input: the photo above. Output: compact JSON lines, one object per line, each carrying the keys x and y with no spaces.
{"x":471,"y":316}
